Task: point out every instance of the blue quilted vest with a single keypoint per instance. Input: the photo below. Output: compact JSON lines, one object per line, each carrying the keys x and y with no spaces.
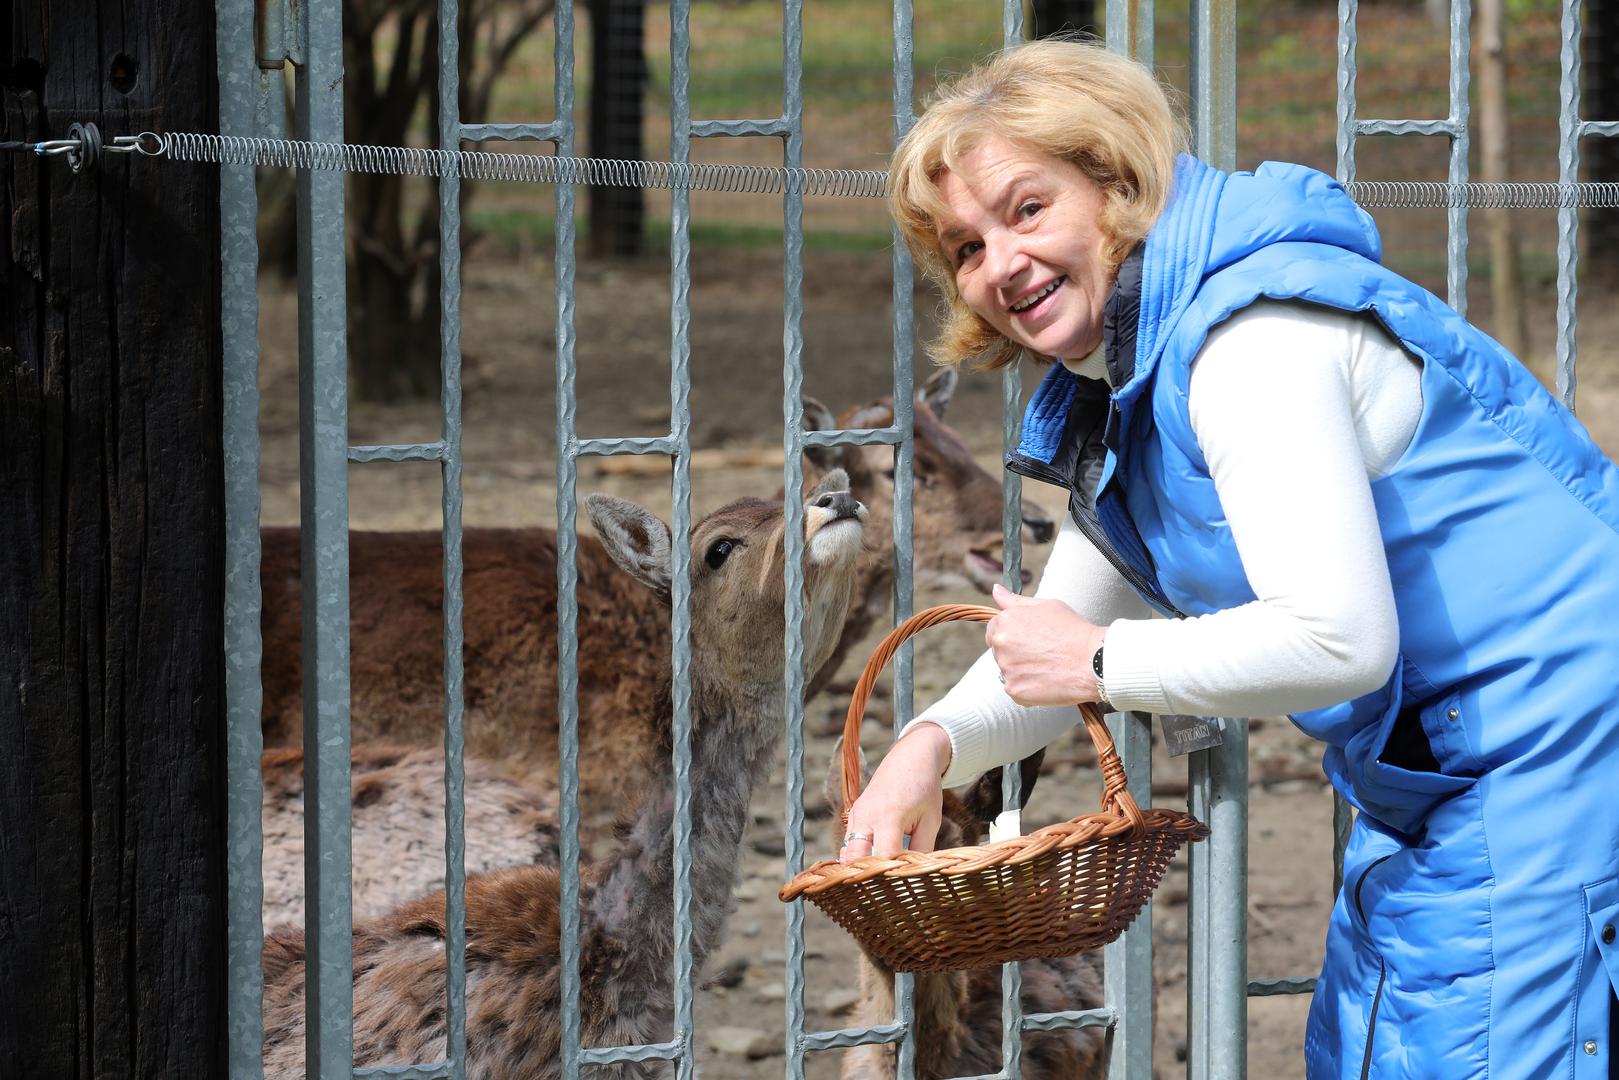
{"x":1501,"y":526}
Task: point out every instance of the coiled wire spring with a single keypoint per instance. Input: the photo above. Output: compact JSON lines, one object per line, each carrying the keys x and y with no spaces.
{"x":525,"y":168}
{"x":705,"y":176}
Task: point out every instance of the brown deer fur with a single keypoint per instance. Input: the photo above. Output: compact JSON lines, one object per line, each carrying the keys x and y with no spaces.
{"x":958,"y":1014}
{"x":626,"y":920}
{"x":398,"y":827}
{"x":510,"y":624}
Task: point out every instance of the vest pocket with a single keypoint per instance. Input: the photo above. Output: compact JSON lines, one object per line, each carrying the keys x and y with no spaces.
{"x":1403,"y":776}
{"x":1382,"y":965}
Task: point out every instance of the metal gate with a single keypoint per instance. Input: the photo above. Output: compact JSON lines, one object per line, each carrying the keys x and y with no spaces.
{"x":309,"y":34}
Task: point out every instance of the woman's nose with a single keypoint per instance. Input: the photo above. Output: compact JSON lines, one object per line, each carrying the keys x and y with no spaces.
{"x":1005,"y":261}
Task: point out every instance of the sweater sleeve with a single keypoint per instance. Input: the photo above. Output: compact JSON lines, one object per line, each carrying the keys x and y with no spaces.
{"x":1277,"y":417}
{"x":987,"y":728}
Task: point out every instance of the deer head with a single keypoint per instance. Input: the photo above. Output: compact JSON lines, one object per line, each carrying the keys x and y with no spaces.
{"x":957,"y":504}
{"x":737,"y":581}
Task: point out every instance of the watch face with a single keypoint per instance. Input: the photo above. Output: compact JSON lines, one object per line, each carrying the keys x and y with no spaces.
{"x":1096,"y":662}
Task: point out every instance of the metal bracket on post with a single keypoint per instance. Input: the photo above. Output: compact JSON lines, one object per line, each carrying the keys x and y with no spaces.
{"x":275,"y":43}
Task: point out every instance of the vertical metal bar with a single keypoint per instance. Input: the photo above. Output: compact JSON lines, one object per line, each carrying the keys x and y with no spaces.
{"x":1217,"y":981}
{"x":1461,"y":24}
{"x":680,"y":526}
{"x":1217,"y":937}
{"x":567,"y":548}
{"x":1127,"y":962}
{"x":1348,"y":106}
{"x":1012,"y":563}
{"x":1342,"y":821}
{"x":904,"y":334}
{"x":1568,"y":217}
{"x":1129,"y":29}
{"x":455,"y":868}
{"x":1214,"y":82}
{"x":323,"y":479}
{"x":239,"y":79}
{"x":792,"y":479}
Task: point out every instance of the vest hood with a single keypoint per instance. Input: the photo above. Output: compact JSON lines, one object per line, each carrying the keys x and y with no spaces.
{"x":1213,"y":219}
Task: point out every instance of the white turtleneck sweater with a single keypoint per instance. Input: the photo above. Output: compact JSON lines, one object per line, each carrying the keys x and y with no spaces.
{"x":1296,"y":410}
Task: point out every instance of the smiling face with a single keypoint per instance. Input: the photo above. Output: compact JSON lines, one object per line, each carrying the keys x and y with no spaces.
{"x":1022,"y":234}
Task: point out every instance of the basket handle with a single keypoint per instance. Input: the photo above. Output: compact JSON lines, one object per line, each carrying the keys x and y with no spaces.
{"x":1116,"y":795}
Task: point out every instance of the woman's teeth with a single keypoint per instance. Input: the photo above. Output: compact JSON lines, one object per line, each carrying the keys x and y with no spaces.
{"x":1029,"y":301}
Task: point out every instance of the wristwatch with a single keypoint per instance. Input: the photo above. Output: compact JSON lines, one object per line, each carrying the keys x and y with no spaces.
{"x":1101,"y":690}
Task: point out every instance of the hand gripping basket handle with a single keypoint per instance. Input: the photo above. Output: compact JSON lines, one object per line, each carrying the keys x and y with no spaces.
{"x":1116,"y":795}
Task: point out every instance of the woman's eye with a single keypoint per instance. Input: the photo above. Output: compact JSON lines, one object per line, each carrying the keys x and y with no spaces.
{"x":1029,"y":209}
{"x":967,"y":251}
{"x":718,"y":552}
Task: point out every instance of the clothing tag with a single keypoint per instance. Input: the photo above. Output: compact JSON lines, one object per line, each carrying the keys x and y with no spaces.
{"x":1183,"y":734}
{"x":1007,"y":824}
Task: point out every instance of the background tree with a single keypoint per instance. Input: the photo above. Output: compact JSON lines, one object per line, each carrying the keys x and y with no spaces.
{"x":393,"y":240}
{"x":618,"y":76}
{"x":1049,"y":17}
{"x":390,"y":54}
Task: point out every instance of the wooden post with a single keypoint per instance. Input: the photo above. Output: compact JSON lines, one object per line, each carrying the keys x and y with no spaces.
{"x":111,"y":554}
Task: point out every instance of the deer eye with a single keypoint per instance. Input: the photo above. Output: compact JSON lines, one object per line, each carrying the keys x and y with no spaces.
{"x":718,"y":552}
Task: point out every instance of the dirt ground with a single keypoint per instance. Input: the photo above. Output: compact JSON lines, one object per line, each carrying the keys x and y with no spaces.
{"x":623,"y":331}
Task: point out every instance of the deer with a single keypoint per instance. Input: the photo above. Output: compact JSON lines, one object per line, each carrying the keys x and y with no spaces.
{"x":956,"y":506}
{"x":627,"y":940}
{"x":510,"y":624}
{"x":397,"y":820}
{"x":958,"y":1013}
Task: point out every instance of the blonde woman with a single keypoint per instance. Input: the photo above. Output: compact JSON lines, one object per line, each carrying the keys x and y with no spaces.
{"x":1357,"y":510}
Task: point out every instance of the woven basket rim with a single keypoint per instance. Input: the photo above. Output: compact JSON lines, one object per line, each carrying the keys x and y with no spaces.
{"x":825,"y":874}
{"x":1120,"y":819}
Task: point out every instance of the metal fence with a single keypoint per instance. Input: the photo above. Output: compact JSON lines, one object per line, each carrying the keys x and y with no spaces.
{"x":1218,"y":984}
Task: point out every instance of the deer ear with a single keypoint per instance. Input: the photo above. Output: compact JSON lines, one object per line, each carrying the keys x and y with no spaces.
{"x":637,"y":540}
{"x":832,"y":481}
{"x":982,"y":798}
{"x":817,"y":417}
{"x":939,"y":389}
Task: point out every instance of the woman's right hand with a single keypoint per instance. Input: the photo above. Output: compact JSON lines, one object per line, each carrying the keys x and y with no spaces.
{"x":903,"y":798}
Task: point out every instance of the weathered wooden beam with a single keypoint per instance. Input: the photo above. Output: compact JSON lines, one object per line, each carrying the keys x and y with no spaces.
{"x":111,"y":554}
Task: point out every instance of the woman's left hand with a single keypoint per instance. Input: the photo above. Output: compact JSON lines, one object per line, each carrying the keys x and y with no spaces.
{"x":1044,"y":650}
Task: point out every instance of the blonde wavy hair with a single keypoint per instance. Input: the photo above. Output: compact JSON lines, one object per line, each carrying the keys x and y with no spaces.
{"x":1069,"y":99}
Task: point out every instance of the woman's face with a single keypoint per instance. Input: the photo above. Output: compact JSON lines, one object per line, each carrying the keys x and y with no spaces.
{"x":1022,"y":231}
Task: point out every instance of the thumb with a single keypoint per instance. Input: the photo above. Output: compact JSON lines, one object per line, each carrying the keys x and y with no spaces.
{"x":1006,"y":598}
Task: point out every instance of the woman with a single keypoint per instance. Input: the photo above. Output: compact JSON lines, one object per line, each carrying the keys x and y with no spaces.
{"x":1359,"y":510}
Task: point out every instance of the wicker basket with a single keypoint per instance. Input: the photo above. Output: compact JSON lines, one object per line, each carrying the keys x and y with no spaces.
{"x":1055,"y":892}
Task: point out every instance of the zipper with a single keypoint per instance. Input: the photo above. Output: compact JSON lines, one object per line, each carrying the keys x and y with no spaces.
{"x":1382,"y":969}
{"x":1091,"y":527}
{"x":1371,"y":1027}
{"x":1360,"y":883}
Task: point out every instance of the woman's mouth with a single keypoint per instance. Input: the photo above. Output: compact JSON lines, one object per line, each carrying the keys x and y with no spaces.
{"x":1037,"y":299}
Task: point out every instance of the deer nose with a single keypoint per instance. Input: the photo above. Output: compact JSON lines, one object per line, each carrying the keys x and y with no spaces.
{"x":841,"y":503}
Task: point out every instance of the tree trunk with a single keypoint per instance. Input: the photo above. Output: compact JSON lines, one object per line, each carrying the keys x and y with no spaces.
{"x":112,"y":841}
{"x":1495,"y":150}
{"x":1599,"y":80}
{"x":618,"y":76}
{"x":1051,"y":17}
